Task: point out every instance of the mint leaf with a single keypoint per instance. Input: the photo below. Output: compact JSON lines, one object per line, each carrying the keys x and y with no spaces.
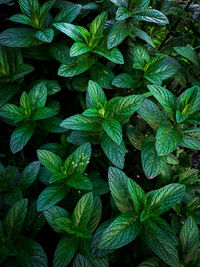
{"x":113,"y":129}
{"x":167,"y":138}
{"x":15,"y":217}
{"x":50,"y":161}
{"x":166,"y":197}
{"x":120,"y":232}
{"x":50,"y":196}
{"x":152,"y":164}
{"x":65,"y":251}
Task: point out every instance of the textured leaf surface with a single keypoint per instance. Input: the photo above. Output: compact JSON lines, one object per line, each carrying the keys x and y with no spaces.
{"x":165,"y":98}
{"x":118,"y":183}
{"x":95,"y":96}
{"x":20,"y":137}
{"x":115,"y":153}
{"x":121,"y":232}
{"x":65,"y":251}
{"x":15,"y":217}
{"x":167,"y":138}
{"x":31,"y":254}
{"x":83,"y":211}
{"x":152,"y":164}
{"x":19,"y":37}
{"x":50,"y":196}
{"x":166,"y":197}
{"x":113,"y":129}
{"x":50,"y":161}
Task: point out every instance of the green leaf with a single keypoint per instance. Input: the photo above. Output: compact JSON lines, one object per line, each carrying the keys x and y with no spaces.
{"x":30,"y":254}
{"x":113,"y":54}
{"x":38,"y":95}
{"x":45,"y":35}
{"x":79,"y":48}
{"x":151,"y":15}
{"x":7,"y":91}
{"x":163,"y":248}
{"x":54,"y":213}
{"x":118,"y":183}
{"x":19,"y":37}
{"x":77,"y":33}
{"x":80,"y":260}
{"x":21,"y":71}
{"x":123,"y":230}
{"x":50,"y":196}
{"x":151,"y":262}
{"x":167,"y":138}
{"x":12,"y":112}
{"x":125,"y":80}
{"x":161,"y":200}
{"x":123,"y":13}
{"x":51,"y":161}
{"x":95,"y":96}
{"x":77,"y":162}
{"x":119,"y":31}
{"x":29,"y":6}
{"x":189,"y":237}
{"x":115,"y":153}
{"x":118,"y":3}
{"x":159,"y":69}
{"x":61,"y":53}
{"x":189,"y":53}
{"x":29,"y":174}
{"x":191,"y":138}
{"x":188,"y":103}
{"x":142,"y":35}
{"x":103,"y":75}
{"x":135,"y":137}
{"x":96,"y":214}
{"x":188,"y":176}
{"x":120,"y":108}
{"x":165,"y":98}
{"x":151,"y":113}
{"x":83,"y":63}
{"x":140,"y":57}
{"x":137,"y":194}
{"x":25,"y":103}
{"x":98,"y":24}
{"x":15,"y":217}
{"x":83,"y":210}
{"x":79,"y":181}
{"x":65,"y":251}
{"x":68,"y":14}
{"x":21,"y":136}
{"x":44,"y":113}
{"x":152,"y":164}
{"x":82,"y":123}
{"x":161,"y":227}
{"x":113,"y":129}
{"x":19,"y":18}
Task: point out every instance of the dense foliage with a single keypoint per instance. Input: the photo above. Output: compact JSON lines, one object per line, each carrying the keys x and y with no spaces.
{"x":92,"y":93}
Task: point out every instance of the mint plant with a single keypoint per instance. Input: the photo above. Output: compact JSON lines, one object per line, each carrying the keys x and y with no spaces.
{"x":91,"y":44}
{"x":105,"y":118}
{"x":32,"y":108}
{"x":92,"y":93}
